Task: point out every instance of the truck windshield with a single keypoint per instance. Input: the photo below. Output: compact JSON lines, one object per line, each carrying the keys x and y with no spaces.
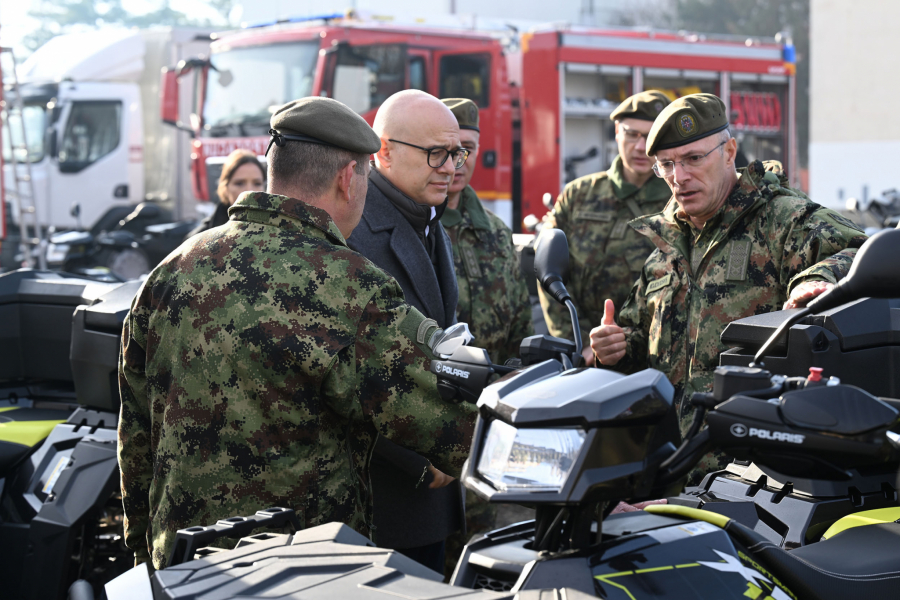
{"x":35,"y":118}
{"x":246,"y":85}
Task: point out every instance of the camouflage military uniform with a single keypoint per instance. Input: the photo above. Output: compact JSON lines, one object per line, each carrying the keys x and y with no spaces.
{"x":260,"y":359}
{"x":493,"y":297}
{"x":765,"y":240}
{"x":605,"y":255}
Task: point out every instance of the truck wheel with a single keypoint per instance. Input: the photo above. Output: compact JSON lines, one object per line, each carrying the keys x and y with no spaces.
{"x":128,"y":264}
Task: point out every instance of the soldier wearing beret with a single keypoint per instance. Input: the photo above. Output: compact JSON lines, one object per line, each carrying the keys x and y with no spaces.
{"x":262,"y":358}
{"x":493,"y":296}
{"x":606,"y":255}
{"x":730,"y":244}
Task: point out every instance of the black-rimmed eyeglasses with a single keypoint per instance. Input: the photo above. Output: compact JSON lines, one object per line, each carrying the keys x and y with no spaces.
{"x":437,"y":155}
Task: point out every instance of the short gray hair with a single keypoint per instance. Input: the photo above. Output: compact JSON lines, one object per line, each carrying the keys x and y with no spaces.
{"x":724,"y":135}
{"x":310,"y":168}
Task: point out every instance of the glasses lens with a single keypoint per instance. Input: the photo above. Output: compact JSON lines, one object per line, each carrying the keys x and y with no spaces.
{"x":460,"y":158}
{"x":437,"y":157}
{"x":663,"y":169}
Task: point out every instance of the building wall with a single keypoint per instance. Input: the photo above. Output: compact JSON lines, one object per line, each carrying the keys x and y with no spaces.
{"x":854,"y":91}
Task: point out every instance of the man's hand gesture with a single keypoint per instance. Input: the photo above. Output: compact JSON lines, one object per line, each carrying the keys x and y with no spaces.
{"x":608,"y":340}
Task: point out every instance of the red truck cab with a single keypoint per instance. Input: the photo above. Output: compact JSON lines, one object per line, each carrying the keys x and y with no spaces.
{"x":250,"y":73}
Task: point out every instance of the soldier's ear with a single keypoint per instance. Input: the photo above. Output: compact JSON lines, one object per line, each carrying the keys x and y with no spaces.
{"x":730,"y":151}
{"x":345,"y":181}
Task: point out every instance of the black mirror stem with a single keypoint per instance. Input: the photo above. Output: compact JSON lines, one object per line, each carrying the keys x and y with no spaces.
{"x":757,"y":360}
{"x":577,"y":358}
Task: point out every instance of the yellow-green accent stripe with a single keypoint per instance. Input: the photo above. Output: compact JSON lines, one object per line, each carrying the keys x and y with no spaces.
{"x":866,"y":517}
{"x":669,"y":568}
{"x":606,"y":578}
{"x":694,"y":514}
{"x":27,"y":433}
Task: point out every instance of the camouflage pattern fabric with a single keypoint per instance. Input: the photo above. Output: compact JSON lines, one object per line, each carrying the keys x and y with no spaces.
{"x":605,"y":255}
{"x":766,"y":239}
{"x":260,"y":360}
{"x":493,"y":296}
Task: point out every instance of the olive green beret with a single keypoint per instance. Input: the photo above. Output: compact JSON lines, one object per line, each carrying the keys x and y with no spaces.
{"x":645,"y":106}
{"x":465,"y":111}
{"x":323,"y":121}
{"x":687,"y":120}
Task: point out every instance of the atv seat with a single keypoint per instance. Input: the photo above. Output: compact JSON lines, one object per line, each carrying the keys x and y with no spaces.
{"x":862,"y":562}
{"x":22,"y":430}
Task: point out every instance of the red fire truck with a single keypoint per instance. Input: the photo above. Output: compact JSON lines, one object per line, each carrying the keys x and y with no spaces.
{"x":545,"y":96}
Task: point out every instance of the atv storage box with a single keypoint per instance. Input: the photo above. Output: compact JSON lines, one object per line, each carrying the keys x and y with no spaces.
{"x":64,"y":329}
{"x":858,"y":343}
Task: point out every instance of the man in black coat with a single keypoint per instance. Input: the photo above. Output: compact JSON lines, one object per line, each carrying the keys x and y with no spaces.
{"x":401,"y":232}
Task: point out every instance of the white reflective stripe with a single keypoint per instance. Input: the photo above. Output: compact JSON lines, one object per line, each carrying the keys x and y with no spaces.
{"x":707,"y":49}
{"x":51,"y":481}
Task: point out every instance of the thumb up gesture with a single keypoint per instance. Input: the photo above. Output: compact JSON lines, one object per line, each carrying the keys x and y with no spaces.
{"x":608,"y":340}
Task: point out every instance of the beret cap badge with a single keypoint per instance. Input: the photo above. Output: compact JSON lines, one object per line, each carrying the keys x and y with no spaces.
{"x":686,"y":124}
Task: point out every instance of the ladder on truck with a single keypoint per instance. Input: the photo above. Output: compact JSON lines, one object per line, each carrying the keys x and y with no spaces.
{"x":32,"y":242}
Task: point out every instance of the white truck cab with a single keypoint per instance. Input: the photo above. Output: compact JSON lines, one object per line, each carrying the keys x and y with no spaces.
{"x":91,"y":111}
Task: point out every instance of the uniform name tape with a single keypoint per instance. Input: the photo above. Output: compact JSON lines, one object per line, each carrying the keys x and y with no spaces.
{"x":659,"y":283}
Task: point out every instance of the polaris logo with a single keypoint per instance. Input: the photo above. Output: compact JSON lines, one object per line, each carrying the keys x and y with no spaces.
{"x":738,"y":430}
{"x":741,"y":430}
{"x":442,"y":368}
{"x":777,"y":436}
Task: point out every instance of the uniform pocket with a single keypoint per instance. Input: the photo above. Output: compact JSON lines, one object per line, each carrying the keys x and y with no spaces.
{"x":661,"y":296}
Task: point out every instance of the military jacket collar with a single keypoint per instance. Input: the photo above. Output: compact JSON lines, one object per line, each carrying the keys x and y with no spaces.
{"x":271,"y":209}
{"x":655,"y":188}
{"x":470,"y":209}
{"x":672,"y":229}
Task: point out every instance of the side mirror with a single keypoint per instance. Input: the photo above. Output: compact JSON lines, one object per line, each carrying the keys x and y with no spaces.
{"x":551,"y":266}
{"x":551,"y":263}
{"x":874,"y":273}
{"x":75,"y":210}
{"x":168,"y":101}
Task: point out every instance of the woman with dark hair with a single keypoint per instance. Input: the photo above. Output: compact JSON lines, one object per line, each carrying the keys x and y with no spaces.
{"x":241,"y":172}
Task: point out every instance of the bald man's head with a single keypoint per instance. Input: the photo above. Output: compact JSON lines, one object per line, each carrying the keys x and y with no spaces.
{"x":403,"y":112}
{"x":414,"y":117}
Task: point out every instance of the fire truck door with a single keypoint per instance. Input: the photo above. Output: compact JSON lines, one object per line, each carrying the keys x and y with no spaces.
{"x":479,"y":75}
{"x":417,"y":69}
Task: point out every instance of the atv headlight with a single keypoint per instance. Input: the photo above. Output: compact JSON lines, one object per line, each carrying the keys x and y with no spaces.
{"x":538,"y":459}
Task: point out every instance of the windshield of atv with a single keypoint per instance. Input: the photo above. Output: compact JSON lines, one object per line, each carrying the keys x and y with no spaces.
{"x":35,"y":118}
{"x":246,"y":85}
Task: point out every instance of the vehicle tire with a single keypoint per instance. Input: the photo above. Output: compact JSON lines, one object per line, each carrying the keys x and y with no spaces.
{"x":128,"y":264}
